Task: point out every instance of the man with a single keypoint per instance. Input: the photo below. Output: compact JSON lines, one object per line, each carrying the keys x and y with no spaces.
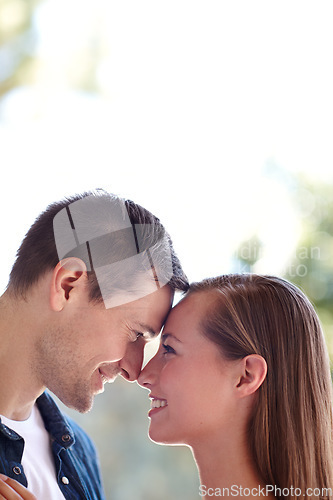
{"x":94,"y":279}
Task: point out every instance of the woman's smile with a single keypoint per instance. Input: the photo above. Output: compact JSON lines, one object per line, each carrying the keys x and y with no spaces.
{"x":156,"y":405}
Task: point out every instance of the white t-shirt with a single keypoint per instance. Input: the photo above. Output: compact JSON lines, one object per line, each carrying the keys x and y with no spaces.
{"x":37,"y":459}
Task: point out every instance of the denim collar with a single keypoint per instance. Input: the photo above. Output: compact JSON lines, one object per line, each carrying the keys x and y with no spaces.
{"x":55,"y":422}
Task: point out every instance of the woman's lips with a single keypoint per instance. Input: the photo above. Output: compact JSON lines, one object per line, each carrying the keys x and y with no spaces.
{"x":157,"y":405}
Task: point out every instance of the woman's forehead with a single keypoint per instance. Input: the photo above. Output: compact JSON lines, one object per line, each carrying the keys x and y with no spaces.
{"x":192,"y":308}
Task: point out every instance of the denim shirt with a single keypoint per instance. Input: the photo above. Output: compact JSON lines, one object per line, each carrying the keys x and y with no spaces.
{"x":74,"y":454}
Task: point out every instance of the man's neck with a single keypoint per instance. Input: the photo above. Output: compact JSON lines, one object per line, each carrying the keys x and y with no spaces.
{"x":19,"y":387}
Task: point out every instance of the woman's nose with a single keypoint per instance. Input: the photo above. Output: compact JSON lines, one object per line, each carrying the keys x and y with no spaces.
{"x":148,"y":374}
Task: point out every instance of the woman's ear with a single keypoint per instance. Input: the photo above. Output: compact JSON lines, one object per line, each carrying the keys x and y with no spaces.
{"x":253,"y":373}
{"x":68,"y":275}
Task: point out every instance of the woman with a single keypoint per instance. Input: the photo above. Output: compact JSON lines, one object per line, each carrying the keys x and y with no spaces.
{"x":242,"y":377}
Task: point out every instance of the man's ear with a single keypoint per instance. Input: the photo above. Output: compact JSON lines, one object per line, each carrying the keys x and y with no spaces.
{"x":68,"y":275}
{"x":253,"y":373}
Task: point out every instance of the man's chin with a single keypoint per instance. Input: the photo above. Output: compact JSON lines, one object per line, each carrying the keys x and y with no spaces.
{"x":80,"y":404}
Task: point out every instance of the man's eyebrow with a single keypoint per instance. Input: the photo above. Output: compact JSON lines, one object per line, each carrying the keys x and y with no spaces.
{"x":148,"y":330}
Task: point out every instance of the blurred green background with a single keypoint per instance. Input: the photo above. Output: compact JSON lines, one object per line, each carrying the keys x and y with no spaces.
{"x":217,"y":117}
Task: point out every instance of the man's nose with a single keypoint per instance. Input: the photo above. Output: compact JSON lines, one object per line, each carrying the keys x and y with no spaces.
{"x":130,"y":365}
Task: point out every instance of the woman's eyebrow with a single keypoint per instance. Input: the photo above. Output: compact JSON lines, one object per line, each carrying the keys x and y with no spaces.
{"x":166,"y":335}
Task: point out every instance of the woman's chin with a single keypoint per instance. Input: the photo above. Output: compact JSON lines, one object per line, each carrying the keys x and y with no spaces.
{"x":162,"y":438}
{"x":157,"y":439}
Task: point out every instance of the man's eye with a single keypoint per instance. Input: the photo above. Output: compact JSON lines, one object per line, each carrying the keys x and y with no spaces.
{"x":138,"y":335}
{"x":168,"y":349}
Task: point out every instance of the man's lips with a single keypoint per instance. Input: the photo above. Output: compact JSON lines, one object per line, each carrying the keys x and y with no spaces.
{"x":106,"y":377}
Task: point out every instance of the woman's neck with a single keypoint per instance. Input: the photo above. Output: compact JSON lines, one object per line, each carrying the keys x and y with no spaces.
{"x":226,"y":469}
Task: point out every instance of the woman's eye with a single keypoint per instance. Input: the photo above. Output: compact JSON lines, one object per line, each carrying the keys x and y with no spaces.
{"x":168,"y":349}
{"x":137,"y":335}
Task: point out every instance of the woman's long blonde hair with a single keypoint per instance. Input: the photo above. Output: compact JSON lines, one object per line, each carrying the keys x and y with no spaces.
{"x":290,"y":433}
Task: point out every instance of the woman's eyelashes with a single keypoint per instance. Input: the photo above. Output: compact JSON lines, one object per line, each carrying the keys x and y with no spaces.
{"x":167,"y":349}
